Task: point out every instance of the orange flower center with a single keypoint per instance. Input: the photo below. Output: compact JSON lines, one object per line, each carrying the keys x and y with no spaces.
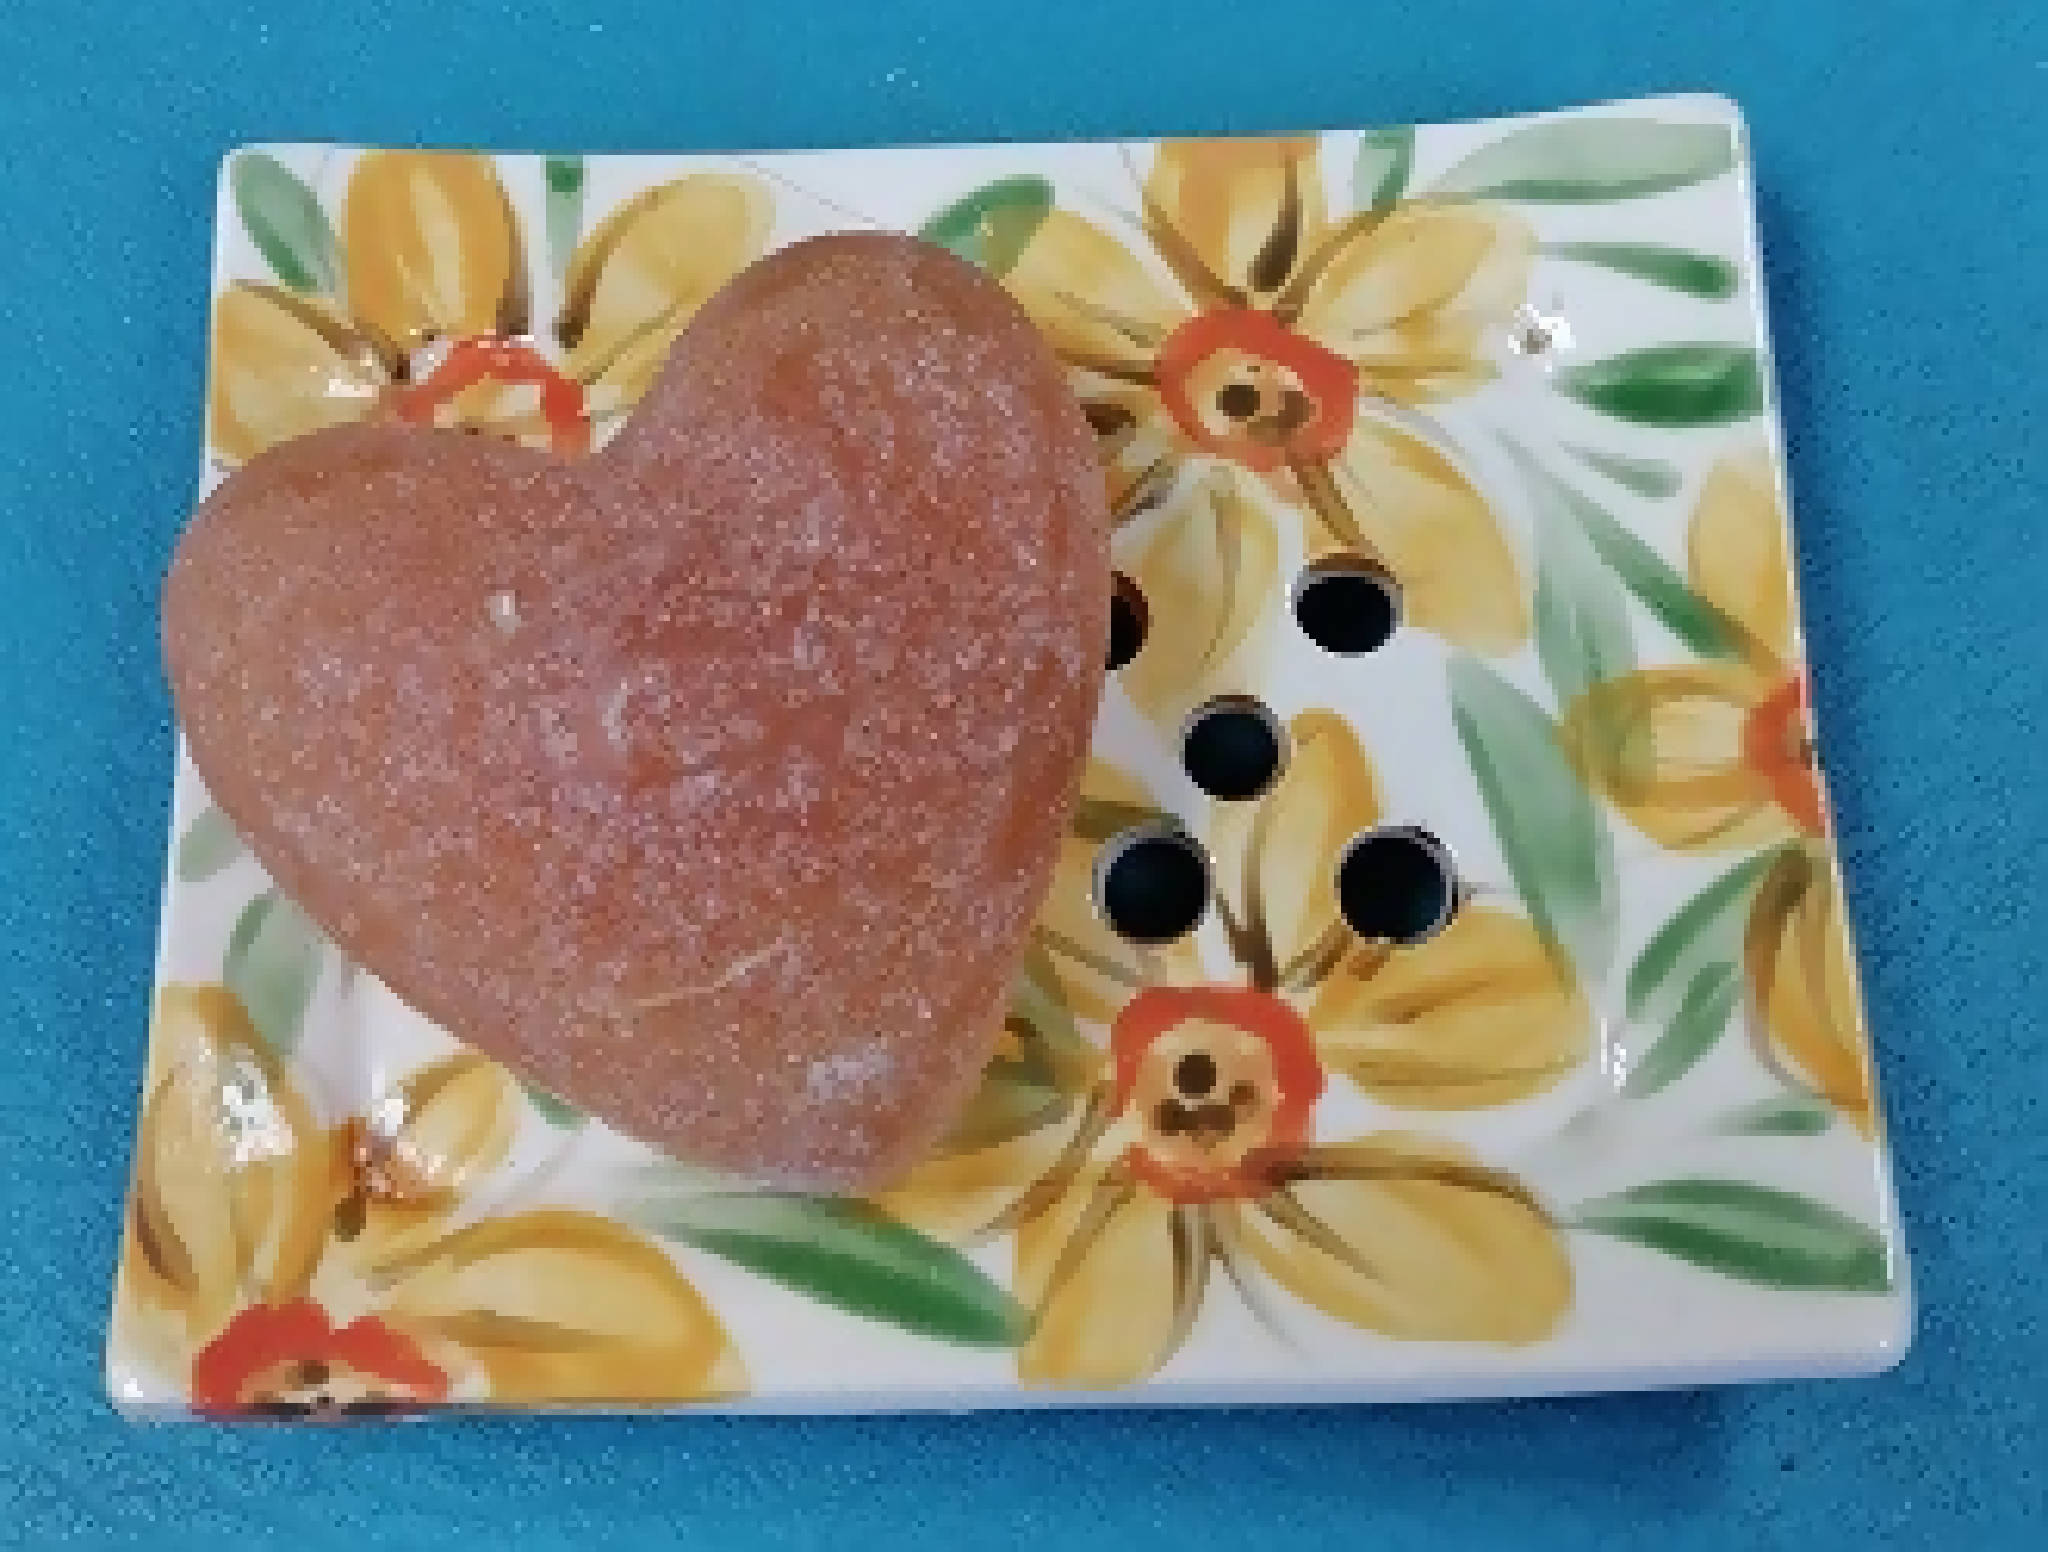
{"x":497,"y":385}
{"x":1220,"y":1082}
{"x":290,"y":1360}
{"x":1240,"y":385}
{"x":1777,"y":740}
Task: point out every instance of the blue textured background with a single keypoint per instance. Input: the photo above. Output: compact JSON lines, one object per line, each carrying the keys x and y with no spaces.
{"x":1901,"y":149}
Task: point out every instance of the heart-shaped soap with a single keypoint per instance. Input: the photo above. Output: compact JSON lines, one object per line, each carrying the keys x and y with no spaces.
{"x":712,"y":781}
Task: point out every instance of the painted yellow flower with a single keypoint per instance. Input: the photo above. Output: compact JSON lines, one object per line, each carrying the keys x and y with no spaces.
{"x":1719,"y":756}
{"x":434,"y":321}
{"x":1293,"y":344}
{"x":281,"y":1268}
{"x":1130,"y":1174}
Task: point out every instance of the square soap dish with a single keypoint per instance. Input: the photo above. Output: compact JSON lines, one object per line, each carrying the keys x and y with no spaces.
{"x":1446,"y":989}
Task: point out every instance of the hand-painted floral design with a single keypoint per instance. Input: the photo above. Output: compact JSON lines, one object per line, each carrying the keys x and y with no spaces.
{"x":1129,"y":1174}
{"x":1718,"y":756}
{"x":427,"y":313}
{"x":1298,"y":344}
{"x":282,"y":1268}
{"x":1284,"y":348}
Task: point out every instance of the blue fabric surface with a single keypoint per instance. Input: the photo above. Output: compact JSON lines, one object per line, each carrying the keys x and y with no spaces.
{"x":1901,"y":152}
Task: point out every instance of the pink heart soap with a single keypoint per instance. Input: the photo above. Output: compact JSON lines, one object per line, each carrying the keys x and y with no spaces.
{"x":711,"y":782}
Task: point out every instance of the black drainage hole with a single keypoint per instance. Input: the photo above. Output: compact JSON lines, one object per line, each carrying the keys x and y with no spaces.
{"x":1152,"y":884}
{"x":1129,"y":619}
{"x":1233,"y":747}
{"x":1347,"y":605}
{"x":1397,"y":885}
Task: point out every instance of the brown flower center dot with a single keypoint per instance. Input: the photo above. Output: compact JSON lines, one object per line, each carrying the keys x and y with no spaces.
{"x":1195,"y":1074}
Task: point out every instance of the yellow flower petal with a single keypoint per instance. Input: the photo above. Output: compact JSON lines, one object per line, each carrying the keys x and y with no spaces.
{"x":1665,"y":745}
{"x":1210,"y":578}
{"x":1477,"y":1015}
{"x":426,"y":1143}
{"x":636,"y":280}
{"x":1246,"y":211}
{"x":431,"y":248}
{"x":283,"y":365}
{"x":1737,"y":551}
{"x":1395,"y":500}
{"x":1803,"y":976}
{"x":1276,"y":859}
{"x":1091,"y":298}
{"x":1412,"y":1237}
{"x":1138,"y":443}
{"x":568,"y":1307}
{"x":455,"y":1121}
{"x":1413,"y":297}
{"x":957,"y":1196}
{"x":1097,"y":968}
{"x":233,"y":1180}
{"x":1109,"y":1272}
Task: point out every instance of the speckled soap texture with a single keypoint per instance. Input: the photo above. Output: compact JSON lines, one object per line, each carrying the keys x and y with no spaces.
{"x":1613,"y":1125}
{"x":711,"y":780}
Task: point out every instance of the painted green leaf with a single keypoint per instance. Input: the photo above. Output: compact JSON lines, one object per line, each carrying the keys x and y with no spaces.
{"x":1676,"y":269}
{"x":1790,"y":1115}
{"x":564,"y":176}
{"x":1555,"y":842}
{"x":1705,"y":1004}
{"x":551,"y":1109}
{"x":1689,"y":617}
{"x":1650,"y":477}
{"x":847,"y":1254}
{"x":1671,"y":386}
{"x":285,"y":221}
{"x":208,"y":845}
{"x":1582,"y":630}
{"x":272,"y":962}
{"x":1587,"y":160}
{"x":992,"y":226}
{"x":1753,"y":1232}
{"x":1688,"y":978}
{"x":1380,"y":175}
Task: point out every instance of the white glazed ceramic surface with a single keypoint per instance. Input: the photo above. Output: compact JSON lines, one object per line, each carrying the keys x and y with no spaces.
{"x":1614,"y":1127}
